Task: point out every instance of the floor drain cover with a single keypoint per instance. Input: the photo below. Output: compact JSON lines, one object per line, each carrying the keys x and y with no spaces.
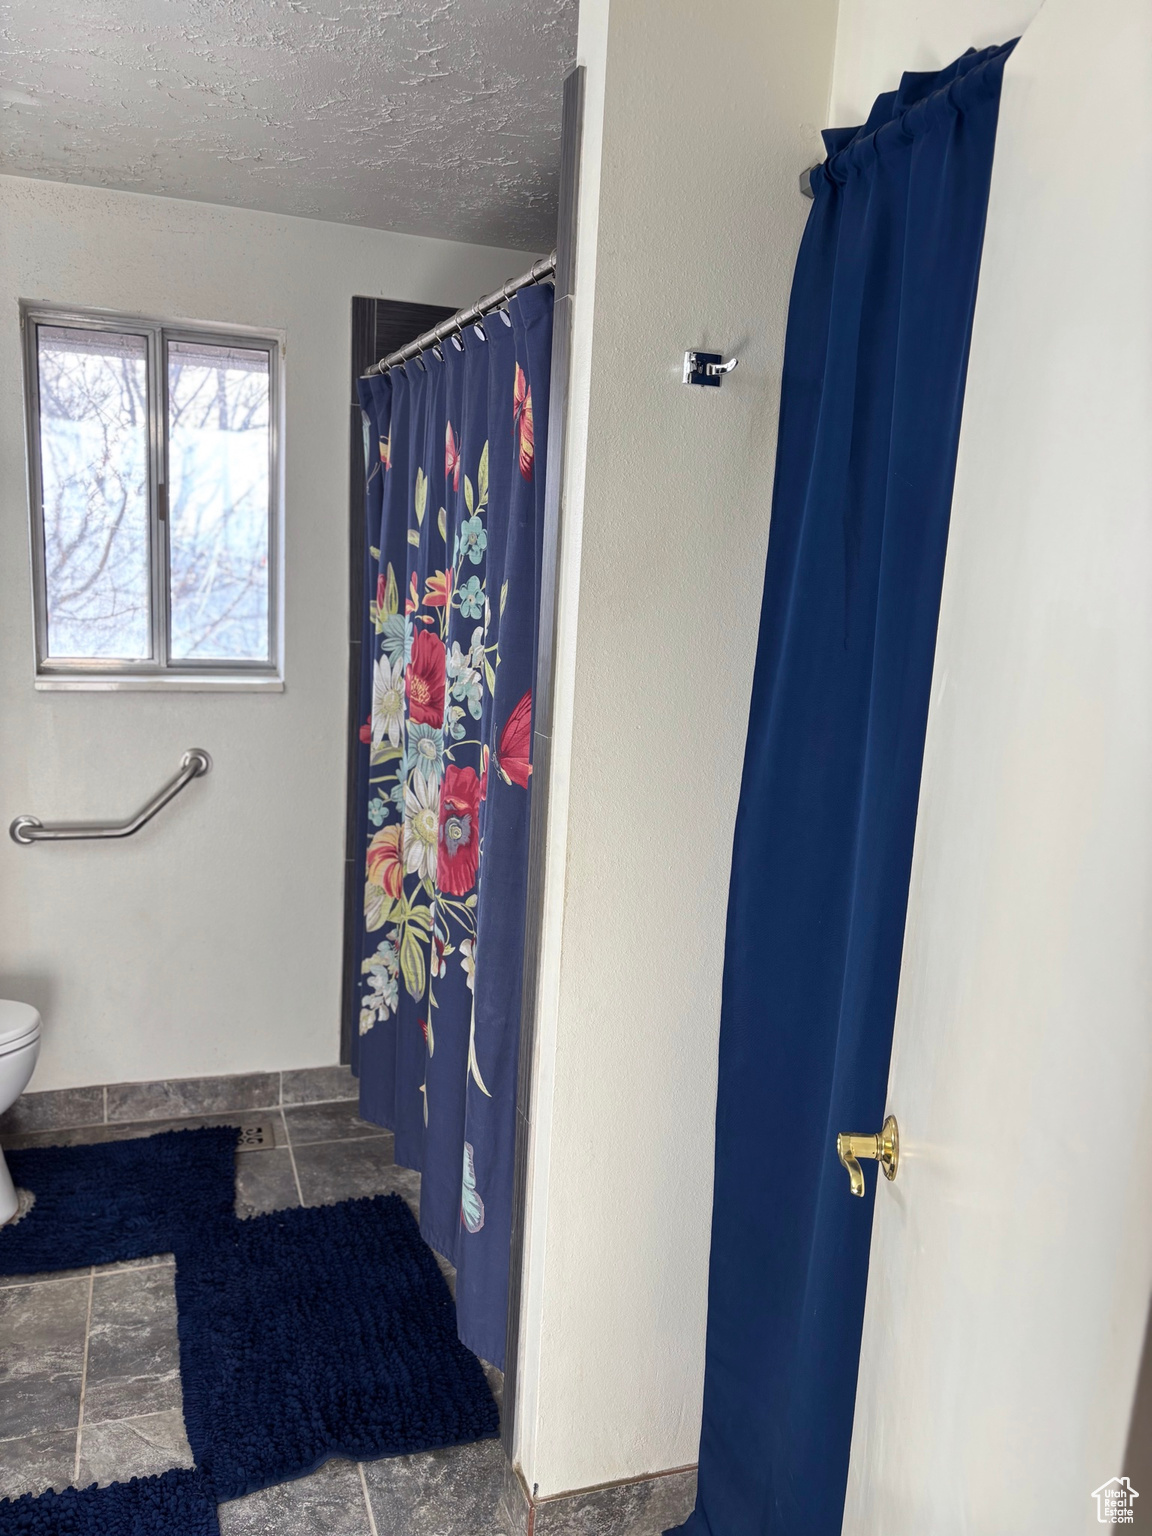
{"x":253,"y":1137}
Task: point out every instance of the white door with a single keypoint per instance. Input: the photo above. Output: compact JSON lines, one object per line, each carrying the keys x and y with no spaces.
{"x":1011,"y":1261}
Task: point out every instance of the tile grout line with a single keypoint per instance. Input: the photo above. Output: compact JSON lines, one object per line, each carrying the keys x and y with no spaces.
{"x":14,"y":1283}
{"x":367,"y":1499}
{"x":133,"y":1418}
{"x":195,"y":1114}
{"x":291,"y":1155}
{"x":84,"y":1375}
{"x":333,"y":1141}
{"x":7,"y":1284}
{"x":376,"y":1134}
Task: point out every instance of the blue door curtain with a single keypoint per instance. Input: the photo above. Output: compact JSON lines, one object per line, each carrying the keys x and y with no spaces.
{"x":876,"y":354}
{"x":455,"y":511}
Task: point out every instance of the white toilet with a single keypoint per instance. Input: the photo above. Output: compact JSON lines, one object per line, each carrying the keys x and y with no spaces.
{"x":19,"y":1048}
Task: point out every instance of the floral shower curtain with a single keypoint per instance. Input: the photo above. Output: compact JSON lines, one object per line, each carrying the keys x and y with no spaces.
{"x":455,"y":505}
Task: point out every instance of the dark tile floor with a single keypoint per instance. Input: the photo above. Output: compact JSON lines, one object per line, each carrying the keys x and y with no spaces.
{"x":89,"y":1359}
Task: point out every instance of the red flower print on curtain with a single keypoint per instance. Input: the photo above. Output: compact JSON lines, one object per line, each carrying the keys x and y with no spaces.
{"x":459,"y":853}
{"x":424,"y":680}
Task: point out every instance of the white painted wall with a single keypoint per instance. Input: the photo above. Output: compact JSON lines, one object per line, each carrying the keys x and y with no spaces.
{"x":212,"y":941}
{"x":1011,"y":1262}
{"x":699,"y":118}
{"x":877,"y":40}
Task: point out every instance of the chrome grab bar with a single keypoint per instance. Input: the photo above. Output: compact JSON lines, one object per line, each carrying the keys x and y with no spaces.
{"x":29,"y":829}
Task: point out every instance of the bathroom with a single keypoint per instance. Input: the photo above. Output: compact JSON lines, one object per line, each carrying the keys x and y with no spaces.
{"x":320,"y":187}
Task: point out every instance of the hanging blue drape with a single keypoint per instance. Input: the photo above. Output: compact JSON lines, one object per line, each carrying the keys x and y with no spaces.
{"x":876,"y":353}
{"x":455,"y":511}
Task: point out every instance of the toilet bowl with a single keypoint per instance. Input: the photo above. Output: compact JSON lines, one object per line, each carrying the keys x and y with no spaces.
{"x":19,"y":1048}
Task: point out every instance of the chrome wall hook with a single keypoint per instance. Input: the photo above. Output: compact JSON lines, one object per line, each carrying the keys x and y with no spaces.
{"x":706,"y":368}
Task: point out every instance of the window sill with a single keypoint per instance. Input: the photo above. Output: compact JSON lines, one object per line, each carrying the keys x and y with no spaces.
{"x":173,"y":682}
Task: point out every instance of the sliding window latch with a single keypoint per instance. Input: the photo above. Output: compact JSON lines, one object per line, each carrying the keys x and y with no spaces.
{"x":706,"y":368}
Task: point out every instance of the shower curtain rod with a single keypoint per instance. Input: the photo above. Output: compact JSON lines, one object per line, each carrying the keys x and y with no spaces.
{"x":536,"y":273}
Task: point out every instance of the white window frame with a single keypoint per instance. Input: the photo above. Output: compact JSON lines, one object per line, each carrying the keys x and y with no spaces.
{"x":158,"y":672}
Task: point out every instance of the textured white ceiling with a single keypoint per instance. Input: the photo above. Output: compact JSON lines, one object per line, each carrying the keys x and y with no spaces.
{"x":437,"y":117}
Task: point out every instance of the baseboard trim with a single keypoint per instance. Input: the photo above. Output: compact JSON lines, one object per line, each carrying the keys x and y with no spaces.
{"x":640,"y":1506}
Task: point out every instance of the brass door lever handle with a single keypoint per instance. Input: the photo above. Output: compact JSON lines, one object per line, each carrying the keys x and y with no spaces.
{"x":885,"y":1148}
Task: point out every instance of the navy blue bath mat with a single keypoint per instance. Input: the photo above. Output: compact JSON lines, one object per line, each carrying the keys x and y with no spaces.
{"x":118,"y":1199}
{"x":320,"y":1332}
{"x":175,"y":1504}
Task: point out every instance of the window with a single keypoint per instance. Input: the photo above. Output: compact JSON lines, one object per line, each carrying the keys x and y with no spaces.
{"x":154,"y":489}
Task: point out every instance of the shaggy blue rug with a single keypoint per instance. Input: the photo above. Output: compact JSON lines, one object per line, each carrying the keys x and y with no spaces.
{"x":100,"y":1204}
{"x":320,"y":1332}
{"x":176,"y":1504}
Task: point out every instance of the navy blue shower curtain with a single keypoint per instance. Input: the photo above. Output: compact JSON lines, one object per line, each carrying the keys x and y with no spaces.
{"x":876,"y":354}
{"x":455,"y":512}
